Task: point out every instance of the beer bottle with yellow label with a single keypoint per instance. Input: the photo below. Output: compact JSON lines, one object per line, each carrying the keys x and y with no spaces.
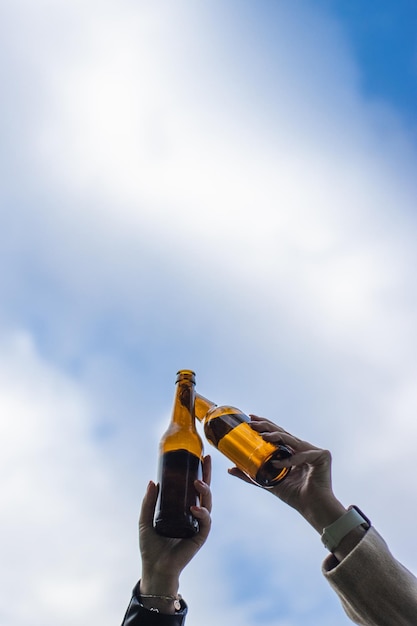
{"x":229,"y":430}
{"x":180,"y":464}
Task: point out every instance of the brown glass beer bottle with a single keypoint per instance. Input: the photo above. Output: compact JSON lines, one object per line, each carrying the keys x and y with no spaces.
{"x":180,"y":464}
{"x":229,"y":430}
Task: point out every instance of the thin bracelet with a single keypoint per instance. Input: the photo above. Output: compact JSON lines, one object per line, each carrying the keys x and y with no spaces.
{"x":175,"y":599}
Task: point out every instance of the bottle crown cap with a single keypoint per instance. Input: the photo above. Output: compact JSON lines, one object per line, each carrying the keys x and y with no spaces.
{"x":185,"y":375}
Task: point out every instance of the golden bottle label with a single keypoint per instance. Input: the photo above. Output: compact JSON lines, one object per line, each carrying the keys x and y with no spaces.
{"x":246,"y":448}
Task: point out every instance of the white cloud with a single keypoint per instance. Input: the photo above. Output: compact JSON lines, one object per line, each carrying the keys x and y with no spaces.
{"x":61,"y":536}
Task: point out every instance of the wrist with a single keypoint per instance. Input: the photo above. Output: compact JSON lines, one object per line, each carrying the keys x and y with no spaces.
{"x":346,"y":532}
{"x":324,"y":512}
{"x":159,"y":602}
{"x":159,"y":584}
{"x":349,"y":542}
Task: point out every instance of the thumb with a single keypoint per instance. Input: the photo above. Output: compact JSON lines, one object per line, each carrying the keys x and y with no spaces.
{"x":148,"y":506}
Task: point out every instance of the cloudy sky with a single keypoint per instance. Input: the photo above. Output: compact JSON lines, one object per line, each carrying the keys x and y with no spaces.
{"x":227,"y":186}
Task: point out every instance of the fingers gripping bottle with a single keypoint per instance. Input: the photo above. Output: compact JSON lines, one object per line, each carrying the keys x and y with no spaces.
{"x":180,"y":464}
{"x":229,"y":430}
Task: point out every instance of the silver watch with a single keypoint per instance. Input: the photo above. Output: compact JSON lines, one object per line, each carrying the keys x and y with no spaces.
{"x":333,"y":534}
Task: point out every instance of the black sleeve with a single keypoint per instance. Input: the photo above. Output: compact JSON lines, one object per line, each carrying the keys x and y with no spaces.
{"x":137,"y":615}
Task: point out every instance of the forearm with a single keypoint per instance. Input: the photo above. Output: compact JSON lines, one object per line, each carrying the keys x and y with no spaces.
{"x":374,"y":588}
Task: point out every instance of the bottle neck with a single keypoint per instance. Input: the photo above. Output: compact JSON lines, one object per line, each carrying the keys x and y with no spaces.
{"x":183,"y":410}
{"x":202,"y":406}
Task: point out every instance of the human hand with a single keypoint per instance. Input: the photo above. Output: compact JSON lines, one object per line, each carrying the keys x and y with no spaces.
{"x":308,"y":487}
{"x":163,"y":558}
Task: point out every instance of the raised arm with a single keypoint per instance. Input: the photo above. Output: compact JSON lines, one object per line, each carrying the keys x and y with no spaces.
{"x":373,"y":587}
{"x":155,"y":598}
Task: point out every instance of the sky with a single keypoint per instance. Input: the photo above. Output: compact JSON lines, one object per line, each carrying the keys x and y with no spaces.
{"x":227,"y":187}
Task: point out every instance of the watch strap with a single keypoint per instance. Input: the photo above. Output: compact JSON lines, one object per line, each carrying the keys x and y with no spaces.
{"x":333,"y":534}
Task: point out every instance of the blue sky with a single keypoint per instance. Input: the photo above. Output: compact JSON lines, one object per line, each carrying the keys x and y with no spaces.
{"x":384,"y":44}
{"x":228,"y":187}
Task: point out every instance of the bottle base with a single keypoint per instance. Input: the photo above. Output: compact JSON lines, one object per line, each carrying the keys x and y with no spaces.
{"x":269,"y":475}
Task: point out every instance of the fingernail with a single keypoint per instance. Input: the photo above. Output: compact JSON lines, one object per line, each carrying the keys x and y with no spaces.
{"x":196,"y":510}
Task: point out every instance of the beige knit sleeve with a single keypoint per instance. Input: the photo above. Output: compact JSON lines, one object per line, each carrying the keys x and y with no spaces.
{"x":374,"y":588}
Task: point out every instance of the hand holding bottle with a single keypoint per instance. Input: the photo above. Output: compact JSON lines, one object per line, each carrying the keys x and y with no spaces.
{"x":164,"y":558}
{"x":308,"y":487}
